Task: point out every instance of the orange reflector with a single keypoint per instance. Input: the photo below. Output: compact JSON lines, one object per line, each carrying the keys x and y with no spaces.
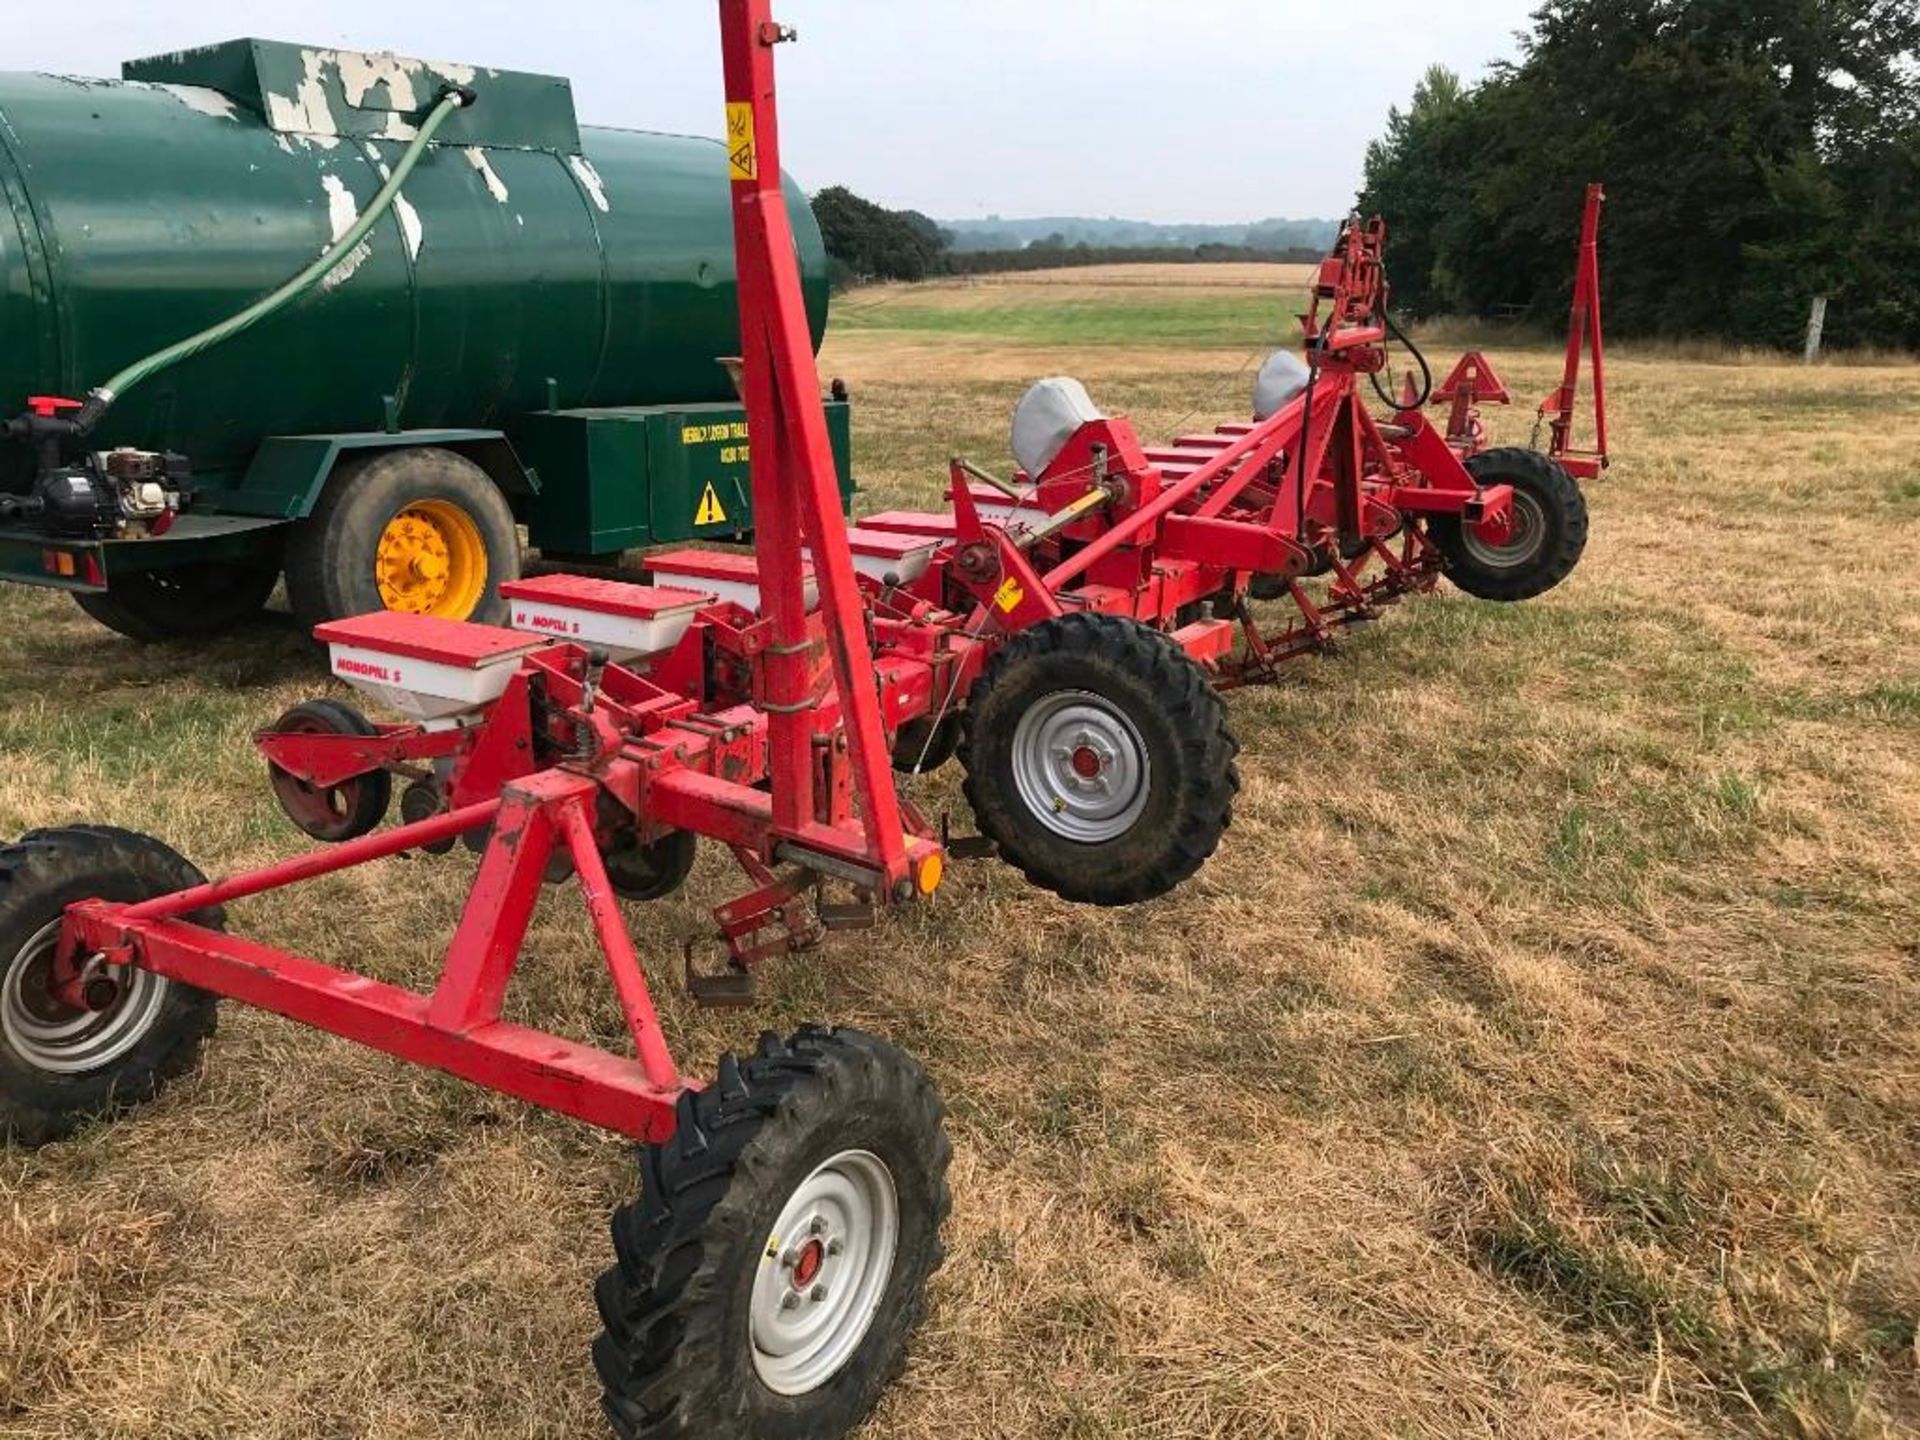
{"x":927,"y":877}
{"x":56,"y":562}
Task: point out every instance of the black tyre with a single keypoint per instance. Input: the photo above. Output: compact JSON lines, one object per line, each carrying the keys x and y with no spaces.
{"x":776,"y":1262}
{"x":424,"y":531}
{"x":650,"y":872}
{"x":183,"y":602}
{"x":1098,"y":759}
{"x":1549,"y":529}
{"x":335,"y":812}
{"x":61,"y":1066}
{"x":922,"y":746}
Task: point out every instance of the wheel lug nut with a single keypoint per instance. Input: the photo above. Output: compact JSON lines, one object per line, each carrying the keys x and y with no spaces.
{"x":817,"y":1294}
{"x":790,"y":1301}
{"x":835,"y":1246}
{"x":817,"y":1225}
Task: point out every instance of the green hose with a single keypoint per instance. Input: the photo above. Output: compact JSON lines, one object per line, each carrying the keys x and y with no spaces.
{"x":103,"y":396}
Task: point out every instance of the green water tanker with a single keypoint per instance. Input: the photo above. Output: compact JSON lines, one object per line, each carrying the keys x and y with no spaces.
{"x":530,"y":334}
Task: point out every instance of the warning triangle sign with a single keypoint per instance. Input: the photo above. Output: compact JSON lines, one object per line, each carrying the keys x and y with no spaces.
{"x":709,"y":512}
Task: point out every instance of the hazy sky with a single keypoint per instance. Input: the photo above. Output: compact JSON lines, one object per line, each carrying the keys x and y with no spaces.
{"x":1148,"y":109}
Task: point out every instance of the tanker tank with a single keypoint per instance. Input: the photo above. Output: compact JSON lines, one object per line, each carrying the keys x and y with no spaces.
{"x":546,"y":304}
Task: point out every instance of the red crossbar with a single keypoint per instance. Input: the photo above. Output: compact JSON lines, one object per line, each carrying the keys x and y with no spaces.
{"x":458,"y":1027}
{"x":546,"y":1070}
{"x":317,"y":862}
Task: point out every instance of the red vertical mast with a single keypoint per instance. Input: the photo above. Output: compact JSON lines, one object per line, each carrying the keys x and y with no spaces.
{"x":796,"y":497}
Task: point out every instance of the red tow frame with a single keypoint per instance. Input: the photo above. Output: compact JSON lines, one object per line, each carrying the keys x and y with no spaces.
{"x":826,"y":809}
{"x":770,"y":728}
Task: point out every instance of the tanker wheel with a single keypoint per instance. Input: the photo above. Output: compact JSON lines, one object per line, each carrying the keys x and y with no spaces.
{"x":776,"y":1262}
{"x":61,"y":1065}
{"x":182,"y":602}
{"x":330,"y":812}
{"x":1098,"y":759}
{"x":649,"y":872}
{"x":1548,"y":533}
{"x":422,"y":531}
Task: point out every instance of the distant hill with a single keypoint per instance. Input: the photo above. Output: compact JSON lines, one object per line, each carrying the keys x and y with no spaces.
{"x":1000,"y":233}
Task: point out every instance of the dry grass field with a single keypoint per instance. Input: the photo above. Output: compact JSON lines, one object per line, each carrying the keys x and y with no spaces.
{"x":1539,"y":1055}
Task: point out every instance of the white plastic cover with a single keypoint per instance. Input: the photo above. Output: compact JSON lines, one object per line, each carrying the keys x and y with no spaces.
{"x":1046,"y":418}
{"x":1281,"y":377}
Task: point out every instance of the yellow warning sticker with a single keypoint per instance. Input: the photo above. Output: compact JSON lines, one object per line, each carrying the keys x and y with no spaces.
{"x":1009,"y":595}
{"x":742,"y":163}
{"x":709,"y":512}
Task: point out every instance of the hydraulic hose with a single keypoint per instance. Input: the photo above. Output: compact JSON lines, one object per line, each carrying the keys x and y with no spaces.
{"x":1426,"y":371}
{"x":102,"y":397}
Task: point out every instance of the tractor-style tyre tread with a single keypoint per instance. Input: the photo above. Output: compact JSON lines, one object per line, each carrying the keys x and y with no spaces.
{"x":1179,"y":715}
{"x":675,"y":1356}
{"x":40,"y":875}
{"x":1562,"y":505}
{"x":330,"y":554}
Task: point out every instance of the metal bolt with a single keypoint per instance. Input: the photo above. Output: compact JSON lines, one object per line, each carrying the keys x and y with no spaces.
{"x":817,"y":1225}
{"x":790,"y":1259}
{"x":99,"y":986}
{"x":790,"y":1301}
{"x":836,"y":1245}
{"x":817,"y":1294}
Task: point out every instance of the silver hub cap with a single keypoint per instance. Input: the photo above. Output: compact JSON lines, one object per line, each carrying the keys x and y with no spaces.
{"x":1522,"y":546}
{"x":55,"y":1037}
{"x":1080,"y":766}
{"x":823,"y":1273}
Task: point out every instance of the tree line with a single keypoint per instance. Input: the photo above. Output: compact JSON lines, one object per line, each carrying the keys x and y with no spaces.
{"x":866,"y":241}
{"x":1756,"y":154}
{"x":998,"y":232}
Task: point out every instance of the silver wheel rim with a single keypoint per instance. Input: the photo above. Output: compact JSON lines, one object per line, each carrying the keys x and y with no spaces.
{"x":58,"y":1039}
{"x":823,"y":1273}
{"x":1080,"y":766}
{"x":1522,"y":546}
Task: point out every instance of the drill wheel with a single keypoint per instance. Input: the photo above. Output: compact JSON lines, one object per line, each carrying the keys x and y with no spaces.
{"x":1098,"y":759}
{"x":1548,"y":535}
{"x":771,"y":1272}
{"x":62,"y":1065}
{"x":336,"y":812}
{"x":651,"y":872}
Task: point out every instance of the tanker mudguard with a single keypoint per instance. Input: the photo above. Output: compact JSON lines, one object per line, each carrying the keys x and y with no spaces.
{"x":288,"y":471}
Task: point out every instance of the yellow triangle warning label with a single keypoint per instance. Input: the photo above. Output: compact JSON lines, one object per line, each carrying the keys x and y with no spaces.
{"x":709,"y":512}
{"x":742,"y":162}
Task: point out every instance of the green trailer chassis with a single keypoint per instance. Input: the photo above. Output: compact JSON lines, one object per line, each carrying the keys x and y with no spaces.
{"x":587,"y":483}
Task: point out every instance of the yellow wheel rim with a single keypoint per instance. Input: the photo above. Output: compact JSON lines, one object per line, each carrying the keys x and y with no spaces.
{"x":431,"y":560}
